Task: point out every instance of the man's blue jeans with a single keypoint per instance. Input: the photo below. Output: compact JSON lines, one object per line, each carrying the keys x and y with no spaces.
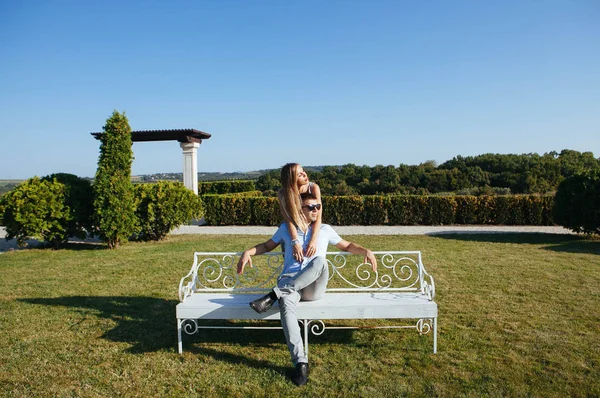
{"x":308,"y":285}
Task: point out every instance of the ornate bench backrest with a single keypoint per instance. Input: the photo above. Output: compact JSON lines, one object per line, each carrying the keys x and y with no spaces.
{"x":397,"y":271}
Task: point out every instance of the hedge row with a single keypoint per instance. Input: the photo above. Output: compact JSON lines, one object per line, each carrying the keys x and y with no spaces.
{"x":240,"y":210}
{"x":390,"y":210}
{"x":57,"y":207}
{"x":225,"y":187}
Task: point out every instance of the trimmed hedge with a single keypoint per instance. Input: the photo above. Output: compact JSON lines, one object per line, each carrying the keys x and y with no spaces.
{"x":390,"y":210}
{"x":240,"y":210}
{"x":225,"y":187}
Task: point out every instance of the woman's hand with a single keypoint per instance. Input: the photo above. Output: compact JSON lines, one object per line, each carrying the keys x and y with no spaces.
{"x":297,"y":251}
{"x":311,"y":249}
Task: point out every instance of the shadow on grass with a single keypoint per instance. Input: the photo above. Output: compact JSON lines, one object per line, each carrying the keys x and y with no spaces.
{"x":11,"y":245}
{"x":83,"y":246}
{"x":149,"y":325}
{"x":555,"y":242}
{"x":232,"y":358}
{"x":589,"y":246}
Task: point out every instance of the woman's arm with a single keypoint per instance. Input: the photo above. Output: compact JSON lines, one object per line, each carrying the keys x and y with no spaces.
{"x":297,"y":247}
{"x":311,"y":249}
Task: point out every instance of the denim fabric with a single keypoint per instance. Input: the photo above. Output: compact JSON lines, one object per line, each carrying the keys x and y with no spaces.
{"x":308,"y":284}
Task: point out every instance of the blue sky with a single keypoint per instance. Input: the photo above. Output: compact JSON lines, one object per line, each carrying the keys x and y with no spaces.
{"x":315,"y":82}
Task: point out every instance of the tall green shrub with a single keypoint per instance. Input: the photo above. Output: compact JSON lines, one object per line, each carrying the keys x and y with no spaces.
{"x":577,"y":203}
{"x":114,"y":205}
{"x":36,"y":209}
{"x":163,"y":206}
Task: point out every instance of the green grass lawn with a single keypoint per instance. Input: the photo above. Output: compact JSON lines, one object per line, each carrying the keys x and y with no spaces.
{"x":519,"y":316}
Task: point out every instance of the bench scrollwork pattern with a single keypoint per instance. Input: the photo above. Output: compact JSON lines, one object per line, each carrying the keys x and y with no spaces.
{"x":397,"y":271}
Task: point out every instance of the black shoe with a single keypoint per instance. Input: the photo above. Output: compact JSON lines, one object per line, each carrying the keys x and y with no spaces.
{"x":300,"y":376}
{"x":264,"y":303}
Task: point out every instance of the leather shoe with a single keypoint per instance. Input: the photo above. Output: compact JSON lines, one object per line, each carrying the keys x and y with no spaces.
{"x":264,"y":303}
{"x":300,"y":376}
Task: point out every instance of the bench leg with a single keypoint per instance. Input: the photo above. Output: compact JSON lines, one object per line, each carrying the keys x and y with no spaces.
{"x":305,"y":324}
{"x":179,"y":342}
{"x":435,"y":335}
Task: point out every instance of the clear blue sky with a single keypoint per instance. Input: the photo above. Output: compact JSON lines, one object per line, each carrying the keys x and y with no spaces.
{"x":315,"y":82}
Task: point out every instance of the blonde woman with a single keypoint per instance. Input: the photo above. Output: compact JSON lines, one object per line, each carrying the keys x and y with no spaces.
{"x":294,"y":182}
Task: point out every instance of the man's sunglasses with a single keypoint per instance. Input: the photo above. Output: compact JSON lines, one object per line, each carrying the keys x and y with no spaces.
{"x":313,"y":207}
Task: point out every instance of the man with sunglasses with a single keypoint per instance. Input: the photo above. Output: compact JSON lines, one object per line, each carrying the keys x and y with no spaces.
{"x":300,"y":280}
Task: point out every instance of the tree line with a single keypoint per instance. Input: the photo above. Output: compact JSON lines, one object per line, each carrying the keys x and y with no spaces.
{"x":485,"y":174}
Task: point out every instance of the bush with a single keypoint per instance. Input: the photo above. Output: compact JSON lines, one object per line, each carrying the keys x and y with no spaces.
{"x":79,"y":198}
{"x":577,"y":203}
{"x":36,"y":209}
{"x":163,"y":206}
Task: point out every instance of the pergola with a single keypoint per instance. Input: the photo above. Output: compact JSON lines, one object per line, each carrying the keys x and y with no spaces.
{"x":189,"y":141}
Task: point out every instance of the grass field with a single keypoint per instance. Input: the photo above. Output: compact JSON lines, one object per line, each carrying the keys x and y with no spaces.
{"x":519,"y":316}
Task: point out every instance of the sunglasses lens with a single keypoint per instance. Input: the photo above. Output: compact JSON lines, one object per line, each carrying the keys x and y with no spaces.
{"x":313,"y":207}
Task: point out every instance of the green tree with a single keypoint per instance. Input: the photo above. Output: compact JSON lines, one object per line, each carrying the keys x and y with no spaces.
{"x":269,"y":181}
{"x":577,"y":203}
{"x":114,"y":204}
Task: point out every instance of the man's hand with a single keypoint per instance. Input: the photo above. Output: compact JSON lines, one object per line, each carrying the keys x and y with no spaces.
{"x":354,"y":248}
{"x":244,"y":258}
{"x":370,"y":258}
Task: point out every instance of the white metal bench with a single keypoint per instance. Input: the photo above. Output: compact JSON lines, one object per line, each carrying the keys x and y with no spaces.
{"x":401,"y":288}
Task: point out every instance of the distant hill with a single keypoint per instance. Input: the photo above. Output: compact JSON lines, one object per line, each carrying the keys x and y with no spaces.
{"x":214,"y":176}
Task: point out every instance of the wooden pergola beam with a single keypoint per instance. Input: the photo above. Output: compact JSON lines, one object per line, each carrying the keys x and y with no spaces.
{"x":189,"y":141}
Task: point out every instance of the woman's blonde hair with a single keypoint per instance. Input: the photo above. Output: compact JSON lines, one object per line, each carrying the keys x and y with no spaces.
{"x":290,"y":195}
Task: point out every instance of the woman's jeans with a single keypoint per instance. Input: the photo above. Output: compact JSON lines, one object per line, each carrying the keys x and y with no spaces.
{"x":308,"y":285}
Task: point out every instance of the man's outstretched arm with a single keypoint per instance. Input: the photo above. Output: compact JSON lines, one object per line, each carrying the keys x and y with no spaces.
{"x":358,"y":249}
{"x":246,"y":256}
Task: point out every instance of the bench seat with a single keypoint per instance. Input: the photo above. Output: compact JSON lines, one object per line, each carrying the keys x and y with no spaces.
{"x":353,"y":305}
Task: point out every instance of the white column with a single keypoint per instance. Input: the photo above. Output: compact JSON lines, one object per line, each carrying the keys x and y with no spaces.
{"x":190,"y":165}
